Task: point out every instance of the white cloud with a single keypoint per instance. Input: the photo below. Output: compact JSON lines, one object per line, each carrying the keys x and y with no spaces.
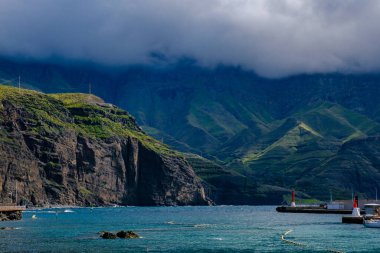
{"x":274,"y":38}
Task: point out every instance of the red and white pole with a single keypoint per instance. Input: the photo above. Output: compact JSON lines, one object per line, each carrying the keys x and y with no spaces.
{"x":356,"y":209}
{"x":293,"y":204}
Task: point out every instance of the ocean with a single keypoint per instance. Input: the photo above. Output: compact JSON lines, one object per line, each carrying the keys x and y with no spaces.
{"x":185,"y":229}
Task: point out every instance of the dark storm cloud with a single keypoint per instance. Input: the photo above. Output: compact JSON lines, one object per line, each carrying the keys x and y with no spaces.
{"x":273,"y":37}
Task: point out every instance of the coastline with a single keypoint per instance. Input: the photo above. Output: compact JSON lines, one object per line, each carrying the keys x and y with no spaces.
{"x":9,"y":213}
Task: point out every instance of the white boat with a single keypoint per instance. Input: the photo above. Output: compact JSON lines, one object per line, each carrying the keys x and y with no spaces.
{"x":372,"y":215}
{"x":372,"y":223}
{"x":372,"y":210}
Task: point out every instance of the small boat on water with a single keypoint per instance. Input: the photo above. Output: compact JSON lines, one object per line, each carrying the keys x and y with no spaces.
{"x":372,"y":223}
{"x":372,"y":217}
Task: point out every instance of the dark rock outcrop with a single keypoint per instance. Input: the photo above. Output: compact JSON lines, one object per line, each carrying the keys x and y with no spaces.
{"x":108,"y":235}
{"x":86,"y":154}
{"x":7,"y":228}
{"x":10,"y":215}
{"x":120,"y":234}
{"x":127,"y":234}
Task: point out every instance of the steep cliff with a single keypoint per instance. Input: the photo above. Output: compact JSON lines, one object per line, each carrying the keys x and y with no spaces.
{"x":74,"y":149}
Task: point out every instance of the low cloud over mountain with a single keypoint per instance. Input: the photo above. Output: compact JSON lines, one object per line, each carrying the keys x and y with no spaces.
{"x":274,"y":38}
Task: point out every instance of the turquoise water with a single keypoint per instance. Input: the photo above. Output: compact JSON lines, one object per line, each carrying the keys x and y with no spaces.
{"x":185,"y":229}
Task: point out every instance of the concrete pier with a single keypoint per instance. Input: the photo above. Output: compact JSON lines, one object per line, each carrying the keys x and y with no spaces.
{"x":11,"y":212}
{"x":352,"y":219}
{"x":305,"y":209}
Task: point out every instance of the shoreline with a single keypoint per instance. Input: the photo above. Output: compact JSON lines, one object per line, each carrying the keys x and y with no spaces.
{"x":109,"y":206}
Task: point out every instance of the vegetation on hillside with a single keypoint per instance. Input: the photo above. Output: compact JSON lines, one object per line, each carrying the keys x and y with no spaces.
{"x":83,"y":113}
{"x":283,"y":132}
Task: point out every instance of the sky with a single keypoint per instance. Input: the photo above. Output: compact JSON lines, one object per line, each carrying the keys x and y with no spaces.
{"x":275,"y":38}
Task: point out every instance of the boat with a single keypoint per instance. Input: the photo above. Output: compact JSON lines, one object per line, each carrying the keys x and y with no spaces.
{"x":372,"y":223}
{"x":372,"y":210}
{"x":372,"y":217}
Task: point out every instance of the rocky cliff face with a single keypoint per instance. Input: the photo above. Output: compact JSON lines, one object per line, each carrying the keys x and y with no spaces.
{"x":74,"y":149}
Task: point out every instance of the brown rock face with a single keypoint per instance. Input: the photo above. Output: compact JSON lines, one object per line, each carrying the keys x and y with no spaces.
{"x":6,"y":216}
{"x":62,"y":165}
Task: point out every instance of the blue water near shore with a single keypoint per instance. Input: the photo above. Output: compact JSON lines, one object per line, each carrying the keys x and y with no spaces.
{"x":185,"y":229}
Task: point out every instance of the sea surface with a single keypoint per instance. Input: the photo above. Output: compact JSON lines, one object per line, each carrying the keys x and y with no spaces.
{"x":185,"y":229}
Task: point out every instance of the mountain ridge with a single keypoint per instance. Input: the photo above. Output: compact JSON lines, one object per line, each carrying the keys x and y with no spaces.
{"x":226,"y":113}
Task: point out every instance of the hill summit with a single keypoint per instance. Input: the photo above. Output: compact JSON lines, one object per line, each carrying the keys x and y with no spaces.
{"x":74,"y":149}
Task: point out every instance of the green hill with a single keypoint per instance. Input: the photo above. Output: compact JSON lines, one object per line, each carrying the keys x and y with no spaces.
{"x":354,"y":166}
{"x":274,"y":132}
{"x":75,"y":149}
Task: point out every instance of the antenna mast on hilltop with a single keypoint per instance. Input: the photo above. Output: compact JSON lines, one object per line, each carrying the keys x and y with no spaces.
{"x":376,"y":194}
{"x":16,"y":193}
{"x":19,"y":82}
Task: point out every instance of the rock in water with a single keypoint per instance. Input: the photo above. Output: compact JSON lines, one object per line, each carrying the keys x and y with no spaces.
{"x":121,"y":234}
{"x":73,"y":149}
{"x":108,"y":235}
{"x":127,"y":235}
{"x":7,"y":228}
{"x":131,"y":234}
